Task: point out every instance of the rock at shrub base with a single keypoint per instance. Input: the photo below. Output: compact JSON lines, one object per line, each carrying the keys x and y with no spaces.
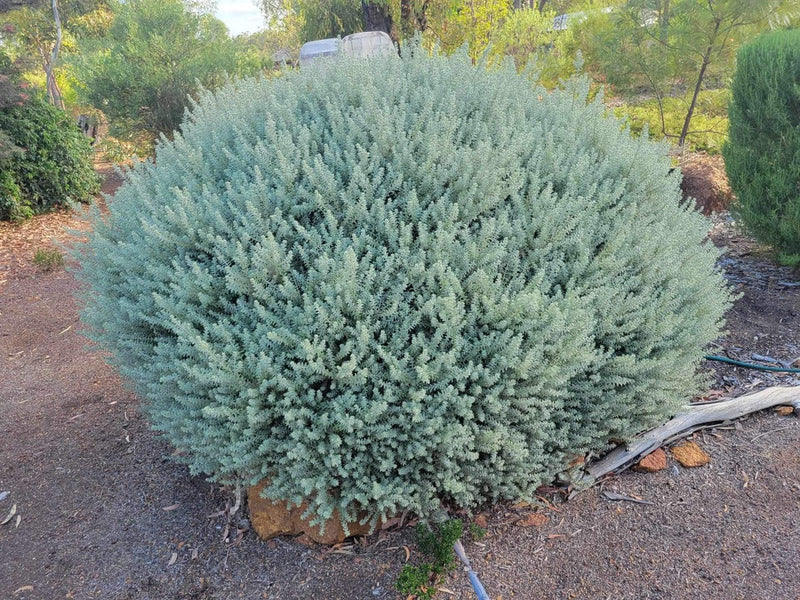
{"x":532,"y":520}
{"x":272,"y":519}
{"x":690,"y":455}
{"x":655,"y":461}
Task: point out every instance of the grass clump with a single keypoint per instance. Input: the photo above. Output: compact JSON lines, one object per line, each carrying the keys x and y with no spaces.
{"x":48,"y":259}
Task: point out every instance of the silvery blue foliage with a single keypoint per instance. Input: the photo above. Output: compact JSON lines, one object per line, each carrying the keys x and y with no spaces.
{"x":386,"y":284}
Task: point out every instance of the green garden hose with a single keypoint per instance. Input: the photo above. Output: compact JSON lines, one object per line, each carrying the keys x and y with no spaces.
{"x":739,"y":363}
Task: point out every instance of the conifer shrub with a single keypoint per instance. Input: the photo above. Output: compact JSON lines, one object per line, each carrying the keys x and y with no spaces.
{"x":762,"y":155}
{"x":383,"y":285}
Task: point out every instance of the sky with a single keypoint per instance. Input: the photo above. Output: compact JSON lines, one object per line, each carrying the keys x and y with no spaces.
{"x":240,"y":16}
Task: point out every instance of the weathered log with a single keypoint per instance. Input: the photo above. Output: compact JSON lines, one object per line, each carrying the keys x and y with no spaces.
{"x":696,"y":416}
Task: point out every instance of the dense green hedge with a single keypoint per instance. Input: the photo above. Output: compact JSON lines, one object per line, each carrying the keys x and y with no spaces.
{"x":385,"y":284}
{"x":52,"y":165}
{"x":762,"y":156}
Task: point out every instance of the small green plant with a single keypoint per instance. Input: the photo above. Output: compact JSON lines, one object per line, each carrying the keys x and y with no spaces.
{"x":48,"y":259}
{"x":416,"y":581}
{"x":437,"y":543}
{"x":476,"y":532}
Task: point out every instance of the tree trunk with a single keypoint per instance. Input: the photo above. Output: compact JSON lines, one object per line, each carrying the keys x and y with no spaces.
{"x":377,"y":17}
{"x":664,"y":20}
{"x":412,"y":18}
{"x":53,"y":92}
{"x":698,"y":85}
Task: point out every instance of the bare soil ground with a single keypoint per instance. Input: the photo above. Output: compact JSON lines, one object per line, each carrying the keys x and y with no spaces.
{"x":103,"y":512}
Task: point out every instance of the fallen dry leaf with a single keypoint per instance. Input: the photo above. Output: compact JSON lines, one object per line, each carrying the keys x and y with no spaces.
{"x":576,"y":461}
{"x":408,"y":553}
{"x":622,"y":497}
{"x":16,"y":523}
{"x":533,"y":520}
{"x":710,"y":396}
{"x":194,"y":553}
{"x":394,"y":521}
{"x":4,"y":495}
{"x":170,"y":507}
{"x":172,"y":559}
{"x":24,"y":588}
{"x":10,"y":516}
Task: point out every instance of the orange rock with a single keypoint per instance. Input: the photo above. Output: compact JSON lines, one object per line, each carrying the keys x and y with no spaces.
{"x":271,"y":519}
{"x":655,"y":461}
{"x":690,"y":454}
{"x":784,"y":411}
{"x":533,"y":520}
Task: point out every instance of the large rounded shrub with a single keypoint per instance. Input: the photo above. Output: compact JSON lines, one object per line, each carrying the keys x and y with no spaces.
{"x":762,"y":155}
{"x":385,"y":284}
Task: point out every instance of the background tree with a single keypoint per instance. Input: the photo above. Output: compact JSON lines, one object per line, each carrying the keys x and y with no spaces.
{"x":154,"y":57}
{"x":281,"y":34}
{"x":528,"y":34}
{"x":9,"y":5}
{"x":670,"y":48}
{"x":322,"y":19}
{"x":37,"y":33}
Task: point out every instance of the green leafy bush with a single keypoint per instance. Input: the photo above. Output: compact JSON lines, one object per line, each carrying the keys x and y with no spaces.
{"x":390,"y":283}
{"x":762,"y":156}
{"x":54,"y":166}
{"x":13,"y":206}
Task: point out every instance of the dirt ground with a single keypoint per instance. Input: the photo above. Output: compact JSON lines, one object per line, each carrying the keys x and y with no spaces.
{"x":103,"y":512}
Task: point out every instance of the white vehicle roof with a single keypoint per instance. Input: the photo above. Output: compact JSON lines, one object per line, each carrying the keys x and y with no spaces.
{"x":318,"y":49}
{"x":367,"y":44}
{"x":362,"y":45}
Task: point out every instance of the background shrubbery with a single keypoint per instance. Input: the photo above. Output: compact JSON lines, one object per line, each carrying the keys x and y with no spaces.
{"x":762,"y":156}
{"x":385,"y":284}
{"x":46,"y":161}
